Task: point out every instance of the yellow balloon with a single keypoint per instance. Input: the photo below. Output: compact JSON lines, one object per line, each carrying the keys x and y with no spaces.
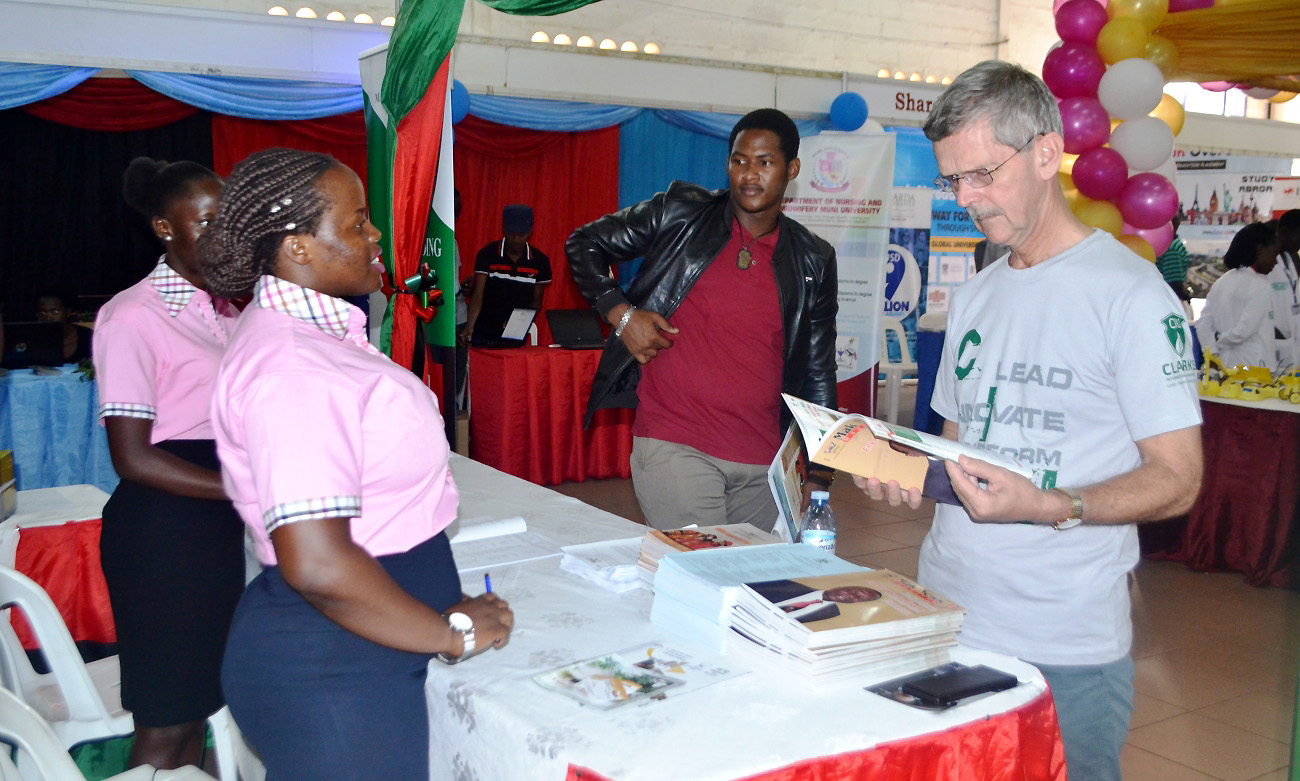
{"x":1099,"y":214}
{"x":1114,"y":123}
{"x":1149,"y":13}
{"x":1140,"y":246}
{"x":1067,"y":163}
{"x":1121,"y":38}
{"x":1282,"y":97}
{"x":1163,"y":54}
{"x":1067,"y":187}
{"x":1170,"y":112}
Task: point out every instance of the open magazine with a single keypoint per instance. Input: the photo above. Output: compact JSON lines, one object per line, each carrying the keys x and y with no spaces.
{"x":868,"y":447}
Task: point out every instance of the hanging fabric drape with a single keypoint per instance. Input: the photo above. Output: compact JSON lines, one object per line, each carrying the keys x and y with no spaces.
{"x":22,"y":83}
{"x":1252,"y":42}
{"x":568,"y":179}
{"x":116,"y":105}
{"x":343,"y":136}
{"x":250,"y":98}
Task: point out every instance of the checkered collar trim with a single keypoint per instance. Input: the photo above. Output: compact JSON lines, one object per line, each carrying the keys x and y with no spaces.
{"x":176,"y":291}
{"x":327,"y":313}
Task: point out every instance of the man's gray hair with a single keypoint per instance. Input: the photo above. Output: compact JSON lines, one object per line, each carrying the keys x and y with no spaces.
{"x":1015,"y":102}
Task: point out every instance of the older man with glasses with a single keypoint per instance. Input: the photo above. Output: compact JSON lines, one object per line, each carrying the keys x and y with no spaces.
{"x":1070,"y":354}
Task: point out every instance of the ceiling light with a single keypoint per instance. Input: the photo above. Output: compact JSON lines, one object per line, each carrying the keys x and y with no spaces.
{"x":650,"y":48}
{"x":884,"y":73}
{"x":946,"y":80}
{"x":608,"y":44}
{"x":388,"y":21}
{"x":363,"y":19}
{"x":586,"y":42}
{"x":628,"y":46}
{"x":561,"y":39}
{"x":336,"y":16}
{"x":541,"y":37}
{"x":932,"y":79}
{"x":277,"y":10}
{"x":915,"y":76}
{"x":305,"y":13}
{"x":900,"y":75}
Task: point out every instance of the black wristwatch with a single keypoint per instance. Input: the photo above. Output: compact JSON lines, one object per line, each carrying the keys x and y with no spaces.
{"x":465,"y":625}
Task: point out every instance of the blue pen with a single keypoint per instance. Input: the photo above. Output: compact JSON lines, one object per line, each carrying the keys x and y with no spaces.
{"x":487,"y":582}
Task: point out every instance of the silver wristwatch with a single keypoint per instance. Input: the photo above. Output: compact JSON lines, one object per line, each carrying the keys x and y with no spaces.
{"x":465,"y":625}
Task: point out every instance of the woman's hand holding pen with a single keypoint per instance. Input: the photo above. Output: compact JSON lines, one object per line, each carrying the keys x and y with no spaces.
{"x":492,"y":619}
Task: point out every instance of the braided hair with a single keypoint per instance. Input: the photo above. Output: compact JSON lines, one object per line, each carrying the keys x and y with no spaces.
{"x":151,"y":186}
{"x":270,"y":195}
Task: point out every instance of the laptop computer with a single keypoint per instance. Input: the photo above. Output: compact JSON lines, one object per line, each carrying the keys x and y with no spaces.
{"x":32,"y":344}
{"x":576,"y":329}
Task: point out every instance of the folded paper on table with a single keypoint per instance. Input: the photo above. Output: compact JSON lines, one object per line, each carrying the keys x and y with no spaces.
{"x":481,"y":543}
{"x":610,"y":564}
{"x":868,"y":447}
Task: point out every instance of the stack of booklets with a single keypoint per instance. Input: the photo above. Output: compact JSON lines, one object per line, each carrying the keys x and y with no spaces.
{"x":657,"y":543}
{"x":860,"y":626}
{"x":695,"y":591}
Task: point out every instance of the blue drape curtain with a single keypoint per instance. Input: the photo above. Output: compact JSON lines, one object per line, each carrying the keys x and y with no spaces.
{"x":21,"y":83}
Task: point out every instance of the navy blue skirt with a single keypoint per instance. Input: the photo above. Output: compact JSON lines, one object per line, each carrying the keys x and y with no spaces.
{"x":319,"y":702}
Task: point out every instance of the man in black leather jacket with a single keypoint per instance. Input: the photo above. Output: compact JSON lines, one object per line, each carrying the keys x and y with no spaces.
{"x":758,"y":321}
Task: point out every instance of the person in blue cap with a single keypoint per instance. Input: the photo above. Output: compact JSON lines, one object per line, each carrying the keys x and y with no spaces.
{"x":509,"y":274}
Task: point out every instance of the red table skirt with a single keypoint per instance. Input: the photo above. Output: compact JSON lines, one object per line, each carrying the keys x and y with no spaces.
{"x":1020,"y":745}
{"x":64,"y":560}
{"x":1248,"y":512}
{"x":526,"y":409}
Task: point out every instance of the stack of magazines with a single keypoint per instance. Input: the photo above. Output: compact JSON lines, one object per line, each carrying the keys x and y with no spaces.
{"x":860,"y":626}
{"x":695,"y":591}
{"x":657,"y":543}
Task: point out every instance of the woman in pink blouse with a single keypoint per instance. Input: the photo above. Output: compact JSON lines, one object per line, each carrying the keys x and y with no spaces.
{"x":172,"y":545}
{"x":335,"y":458}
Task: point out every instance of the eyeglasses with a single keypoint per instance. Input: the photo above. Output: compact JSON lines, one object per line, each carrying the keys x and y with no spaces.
{"x":979,"y":177}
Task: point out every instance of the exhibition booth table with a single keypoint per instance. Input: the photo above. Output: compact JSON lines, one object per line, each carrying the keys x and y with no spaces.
{"x":489,"y":719}
{"x":53,"y":539}
{"x":1247,"y":517}
{"x":51,"y":424}
{"x":526,"y":410}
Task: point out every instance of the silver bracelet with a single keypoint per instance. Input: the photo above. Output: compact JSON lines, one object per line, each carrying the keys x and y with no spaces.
{"x":622,"y":321}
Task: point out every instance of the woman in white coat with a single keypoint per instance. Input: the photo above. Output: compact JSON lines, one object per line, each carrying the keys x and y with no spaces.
{"x":1237,"y":322}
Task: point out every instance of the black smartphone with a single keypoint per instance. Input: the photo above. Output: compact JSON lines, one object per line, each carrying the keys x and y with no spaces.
{"x":947,"y":688}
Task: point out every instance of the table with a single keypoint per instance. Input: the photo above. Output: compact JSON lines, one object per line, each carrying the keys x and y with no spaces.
{"x":526,"y":411}
{"x":53,"y":539}
{"x":52,"y":425}
{"x":489,"y":720}
{"x":1247,"y":517}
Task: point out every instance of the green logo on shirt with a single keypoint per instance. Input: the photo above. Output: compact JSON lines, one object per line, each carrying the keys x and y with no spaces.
{"x":1175,"y":332}
{"x":972,"y":340}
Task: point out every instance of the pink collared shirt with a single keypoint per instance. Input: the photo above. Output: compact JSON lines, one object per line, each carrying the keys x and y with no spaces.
{"x":313,"y":422}
{"x":157,"y":348}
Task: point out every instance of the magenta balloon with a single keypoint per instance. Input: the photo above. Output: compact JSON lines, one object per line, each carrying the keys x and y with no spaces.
{"x":1100,"y":173}
{"x":1188,"y":5}
{"x":1148,"y":201}
{"x":1080,"y":21}
{"x":1087,"y":124}
{"x":1159,"y":238}
{"x":1056,"y":4}
{"x":1217,"y":86}
{"x":1073,"y":70}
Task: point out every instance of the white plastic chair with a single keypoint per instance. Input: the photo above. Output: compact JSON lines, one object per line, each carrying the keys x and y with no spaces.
{"x":80,"y":701}
{"x":41,"y":757}
{"x":894,"y":371}
{"x":235,"y":758}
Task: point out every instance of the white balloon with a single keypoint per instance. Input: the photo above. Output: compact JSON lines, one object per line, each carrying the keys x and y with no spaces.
{"x":1145,"y":142}
{"x":1131,"y":88}
{"x":1168,"y":169}
{"x":1262,"y":93}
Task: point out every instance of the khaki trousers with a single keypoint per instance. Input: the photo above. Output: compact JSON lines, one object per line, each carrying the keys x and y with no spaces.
{"x":678,"y":485}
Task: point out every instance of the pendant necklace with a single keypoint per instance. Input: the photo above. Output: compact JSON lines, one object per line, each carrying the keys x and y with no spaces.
{"x":744,"y":258}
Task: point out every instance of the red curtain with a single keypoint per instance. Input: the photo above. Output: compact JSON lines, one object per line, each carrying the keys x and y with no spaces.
{"x":343,"y":136}
{"x":121,"y":105}
{"x":568,"y":178}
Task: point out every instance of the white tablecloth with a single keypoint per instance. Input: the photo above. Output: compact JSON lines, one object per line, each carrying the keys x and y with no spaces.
{"x":489,"y":720}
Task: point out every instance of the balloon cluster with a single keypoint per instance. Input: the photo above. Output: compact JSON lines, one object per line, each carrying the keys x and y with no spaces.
{"x":1108,"y":74}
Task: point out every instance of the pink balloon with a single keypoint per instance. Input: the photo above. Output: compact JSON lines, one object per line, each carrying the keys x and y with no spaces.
{"x":1188,"y":5}
{"x":1087,"y":124}
{"x":1056,"y":4}
{"x":1100,"y":173}
{"x":1216,"y":86}
{"x":1148,"y":201}
{"x":1073,"y":69}
{"x":1159,"y":238}
{"x":1080,"y":21}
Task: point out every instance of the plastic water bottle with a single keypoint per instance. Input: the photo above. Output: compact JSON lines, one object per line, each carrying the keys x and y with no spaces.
{"x":818,"y":524}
